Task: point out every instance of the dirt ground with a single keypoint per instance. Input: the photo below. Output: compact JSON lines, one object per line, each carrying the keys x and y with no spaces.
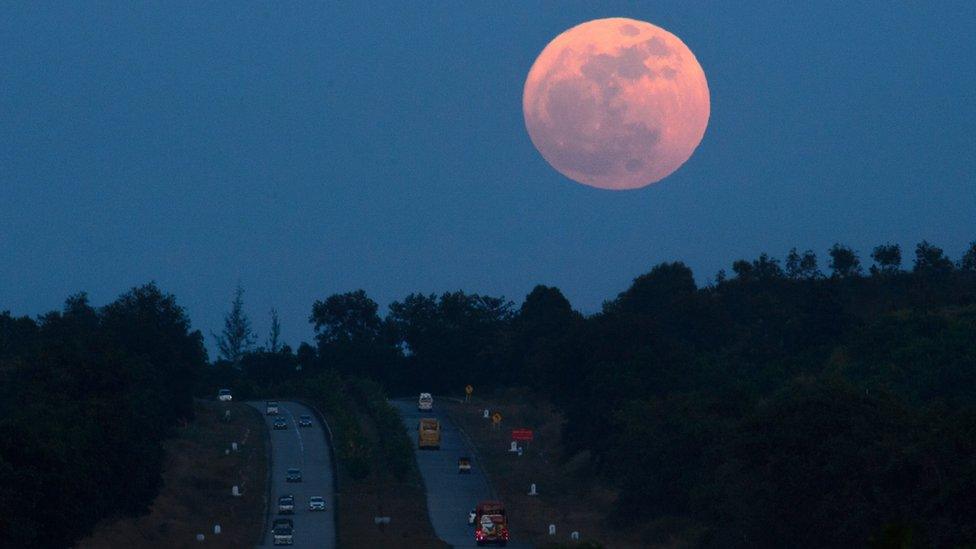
{"x":563,"y":499}
{"x":405,"y":504}
{"x":197,"y":483}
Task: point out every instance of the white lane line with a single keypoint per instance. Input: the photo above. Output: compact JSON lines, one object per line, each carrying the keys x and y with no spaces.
{"x":301,"y":443}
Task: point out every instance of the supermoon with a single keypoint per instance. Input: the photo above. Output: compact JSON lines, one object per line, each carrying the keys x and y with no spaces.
{"x":616,"y":103}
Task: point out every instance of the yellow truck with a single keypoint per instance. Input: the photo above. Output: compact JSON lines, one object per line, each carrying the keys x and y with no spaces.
{"x":429,"y":434}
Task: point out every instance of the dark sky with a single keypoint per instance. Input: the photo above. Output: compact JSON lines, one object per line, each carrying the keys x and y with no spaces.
{"x":318,"y":149}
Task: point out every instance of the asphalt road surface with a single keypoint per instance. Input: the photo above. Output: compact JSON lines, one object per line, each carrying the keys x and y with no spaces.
{"x":450,"y":496}
{"x":305,"y":448}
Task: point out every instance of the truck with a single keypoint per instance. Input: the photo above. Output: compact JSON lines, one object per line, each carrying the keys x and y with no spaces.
{"x":490,"y":523}
{"x":429,"y":433}
{"x":425,"y":403}
{"x":283,"y":531}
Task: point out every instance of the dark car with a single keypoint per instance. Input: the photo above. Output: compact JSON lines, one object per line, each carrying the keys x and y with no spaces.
{"x":316,"y":503}
{"x":286,"y":505}
{"x":304,"y":421}
{"x":280,"y":423}
{"x":294,"y":475}
{"x":283,"y":531}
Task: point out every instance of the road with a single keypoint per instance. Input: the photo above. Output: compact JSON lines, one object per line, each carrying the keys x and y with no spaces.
{"x":305,"y":448}
{"x":450,"y":496}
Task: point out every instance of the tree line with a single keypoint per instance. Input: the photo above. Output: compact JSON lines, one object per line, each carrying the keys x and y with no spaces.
{"x":782,"y":403}
{"x":87,"y":395}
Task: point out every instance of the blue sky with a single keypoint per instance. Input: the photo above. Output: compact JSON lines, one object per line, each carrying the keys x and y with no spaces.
{"x":308,"y":149}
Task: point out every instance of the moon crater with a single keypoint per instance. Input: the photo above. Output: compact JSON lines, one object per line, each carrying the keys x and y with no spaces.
{"x":616,"y":103}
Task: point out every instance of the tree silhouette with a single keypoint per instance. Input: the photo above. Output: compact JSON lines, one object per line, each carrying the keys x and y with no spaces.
{"x":274,"y":337}
{"x":802,"y":267}
{"x":887,"y":258}
{"x":968,"y":262}
{"x":237,"y":338}
{"x":930,"y":259}
{"x":844,"y":262}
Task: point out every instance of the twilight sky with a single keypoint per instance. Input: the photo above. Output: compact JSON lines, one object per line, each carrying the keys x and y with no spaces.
{"x":318,"y":149}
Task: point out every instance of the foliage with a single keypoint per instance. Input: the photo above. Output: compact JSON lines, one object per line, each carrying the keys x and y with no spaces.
{"x":761,"y":408}
{"x":274,"y":336}
{"x":844,"y":262}
{"x":887,"y":257}
{"x":237,"y":338}
{"x":86,"y":397}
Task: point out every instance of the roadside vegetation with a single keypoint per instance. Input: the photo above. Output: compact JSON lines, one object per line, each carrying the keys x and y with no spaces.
{"x":198,"y":477}
{"x":751,"y":411}
{"x":87,"y":398}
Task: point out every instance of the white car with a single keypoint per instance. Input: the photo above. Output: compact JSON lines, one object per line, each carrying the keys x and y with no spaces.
{"x":224,"y":395}
{"x":425,"y":402}
{"x":316,"y":503}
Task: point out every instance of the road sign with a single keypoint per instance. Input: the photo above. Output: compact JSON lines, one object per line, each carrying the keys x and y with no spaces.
{"x":468,"y":390}
{"x":522,"y":434}
{"x":496,"y":418}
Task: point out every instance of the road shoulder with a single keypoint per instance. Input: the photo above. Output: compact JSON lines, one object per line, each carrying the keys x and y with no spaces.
{"x":197,"y":481}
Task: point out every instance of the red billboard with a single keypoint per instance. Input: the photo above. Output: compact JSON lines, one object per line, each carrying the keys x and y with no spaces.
{"x":521,"y":434}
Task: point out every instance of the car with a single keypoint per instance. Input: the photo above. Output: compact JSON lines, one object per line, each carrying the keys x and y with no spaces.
{"x":464,"y":465}
{"x":224,"y":395}
{"x":271,"y":408}
{"x":293,"y":475}
{"x":283,"y":531}
{"x":316,"y":503}
{"x":280,"y":423}
{"x":304,"y":421}
{"x":286,"y":505}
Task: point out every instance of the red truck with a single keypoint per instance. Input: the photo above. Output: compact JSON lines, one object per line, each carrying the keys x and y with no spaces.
{"x":490,"y":523}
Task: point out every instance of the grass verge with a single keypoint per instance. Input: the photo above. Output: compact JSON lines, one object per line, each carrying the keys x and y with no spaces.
{"x":197,"y":482}
{"x":377,"y":473}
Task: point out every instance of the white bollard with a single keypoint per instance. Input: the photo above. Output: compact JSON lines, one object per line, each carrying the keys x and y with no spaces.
{"x":216,"y":529}
{"x":532,"y":490}
{"x":233,"y":446}
{"x":236,"y":491}
{"x":226,"y":452}
{"x":201,"y":537}
{"x":487,"y":414}
{"x":552,"y":529}
{"x":574,"y":536}
{"x":514,"y":447}
{"x":520,"y":451}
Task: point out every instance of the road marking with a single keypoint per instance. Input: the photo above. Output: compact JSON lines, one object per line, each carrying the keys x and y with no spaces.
{"x":301,"y":443}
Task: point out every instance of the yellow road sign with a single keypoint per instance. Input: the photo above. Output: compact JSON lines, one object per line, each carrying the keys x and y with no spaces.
{"x":469,"y":389}
{"x":496,"y":418}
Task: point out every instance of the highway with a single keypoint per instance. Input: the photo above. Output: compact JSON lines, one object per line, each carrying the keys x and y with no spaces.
{"x":450,"y":496}
{"x":305,"y":448}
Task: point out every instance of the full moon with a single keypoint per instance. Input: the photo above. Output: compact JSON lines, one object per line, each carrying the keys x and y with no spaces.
{"x":616,"y":103}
